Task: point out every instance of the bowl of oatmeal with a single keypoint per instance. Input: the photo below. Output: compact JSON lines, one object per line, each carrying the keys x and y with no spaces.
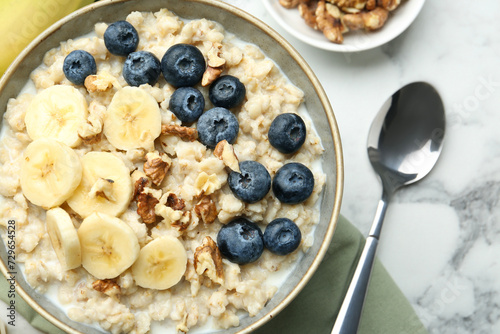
{"x":136,"y":199}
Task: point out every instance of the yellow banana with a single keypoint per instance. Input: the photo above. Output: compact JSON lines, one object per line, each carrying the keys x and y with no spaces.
{"x":22,"y":20}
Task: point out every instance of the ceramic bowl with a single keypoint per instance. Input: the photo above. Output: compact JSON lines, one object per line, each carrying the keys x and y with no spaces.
{"x":354,"y":41}
{"x":249,"y":29}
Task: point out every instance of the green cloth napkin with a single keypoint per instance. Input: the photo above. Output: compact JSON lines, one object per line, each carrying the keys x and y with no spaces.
{"x":314,"y":310}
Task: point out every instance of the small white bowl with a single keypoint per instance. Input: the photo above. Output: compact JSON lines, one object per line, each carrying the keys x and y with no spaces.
{"x":354,"y":41}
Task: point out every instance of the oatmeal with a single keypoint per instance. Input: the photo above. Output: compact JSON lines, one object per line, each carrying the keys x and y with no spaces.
{"x":145,"y":191}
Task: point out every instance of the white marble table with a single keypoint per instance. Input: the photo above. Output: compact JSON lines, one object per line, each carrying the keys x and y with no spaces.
{"x":441,"y":240}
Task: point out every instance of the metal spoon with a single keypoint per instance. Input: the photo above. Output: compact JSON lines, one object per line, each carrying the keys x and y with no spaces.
{"x":404,"y":143}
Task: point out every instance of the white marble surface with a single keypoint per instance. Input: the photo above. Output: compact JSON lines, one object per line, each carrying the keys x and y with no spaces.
{"x":441,"y":238}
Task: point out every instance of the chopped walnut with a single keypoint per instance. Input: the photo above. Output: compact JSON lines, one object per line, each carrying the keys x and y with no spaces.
{"x":146,"y":203}
{"x":215,"y":64}
{"x":289,"y":3}
{"x":207,"y":184}
{"x":90,"y":132}
{"x":168,"y":214}
{"x":108,"y":286}
{"x":369,"y":21}
{"x":182,"y":132}
{"x":225,"y":152}
{"x":330,"y":26}
{"x":371,"y":4}
{"x":102,"y":188}
{"x":206,"y":210}
{"x":174,"y":202}
{"x":214,"y":56}
{"x":210,"y":75}
{"x":100,"y":82}
{"x":306,"y":11}
{"x":208,"y":261}
{"x":390,"y":5}
{"x":156,"y":166}
{"x":347,"y":5}
{"x":182,"y":224}
{"x":139,"y":185}
{"x":354,"y":21}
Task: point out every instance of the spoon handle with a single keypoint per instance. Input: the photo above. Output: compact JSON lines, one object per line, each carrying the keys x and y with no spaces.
{"x":350,"y":312}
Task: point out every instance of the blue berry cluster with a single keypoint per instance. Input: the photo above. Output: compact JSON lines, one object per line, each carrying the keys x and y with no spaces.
{"x":293,"y":183}
{"x":241,"y":241}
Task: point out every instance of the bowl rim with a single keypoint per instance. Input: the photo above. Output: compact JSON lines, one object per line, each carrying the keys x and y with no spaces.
{"x":335,"y":133}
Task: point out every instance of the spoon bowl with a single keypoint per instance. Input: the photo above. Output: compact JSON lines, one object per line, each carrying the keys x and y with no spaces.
{"x":404,"y":144}
{"x":405,"y":139}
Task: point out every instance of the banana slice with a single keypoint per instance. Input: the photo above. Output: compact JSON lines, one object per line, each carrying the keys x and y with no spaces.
{"x":64,"y":238}
{"x":106,"y":186}
{"x":109,"y":245}
{"x":57,"y":112}
{"x":133,"y":119}
{"x":50,"y":172}
{"x":161,"y":263}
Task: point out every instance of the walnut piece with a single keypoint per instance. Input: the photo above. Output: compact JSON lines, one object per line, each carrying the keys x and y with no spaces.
{"x":225,"y":152}
{"x":390,"y":5}
{"x":215,"y":64}
{"x":210,"y":75}
{"x":156,"y":166}
{"x":306,"y":11}
{"x":289,"y":3}
{"x":208,"y":261}
{"x":183,"y":223}
{"x":182,"y":132}
{"x":207,"y":184}
{"x":90,"y":132}
{"x":102,"y":188}
{"x":139,"y":185}
{"x":347,"y":5}
{"x":206,"y":210}
{"x":214,"y":58}
{"x":330,"y":26}
{"x":174,"y":202}
{"x":168,"y":214}
{"x":371,"y":4}
{"x":146,"y":203}
{"x":369,"y":21}
{"x":100,"y":82}
{"x":107,"y":286}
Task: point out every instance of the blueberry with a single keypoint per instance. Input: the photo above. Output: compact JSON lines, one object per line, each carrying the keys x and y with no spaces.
{"x":217,"y":124}
{"x":121,"y":38}
{"x":141,"y":67}
{"x":287,"y":133}
{"x":293,"y":183}
{"x":252,"y":184}
{"x":240,"y":241}
{"x":227,"y":91}
{"x":282,"y":236}
{"x":187,"y":103}
{"x":78,"y":65}
{"x":183,"y":65}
